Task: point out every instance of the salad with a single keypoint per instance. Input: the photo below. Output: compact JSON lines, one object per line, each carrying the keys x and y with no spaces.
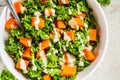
{"x":59,"y":39}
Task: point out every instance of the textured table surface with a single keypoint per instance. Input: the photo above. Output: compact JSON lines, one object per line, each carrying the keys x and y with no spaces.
{"x":110,"y":66}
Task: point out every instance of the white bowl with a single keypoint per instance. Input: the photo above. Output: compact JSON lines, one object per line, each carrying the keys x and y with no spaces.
{"x":101,"y":48}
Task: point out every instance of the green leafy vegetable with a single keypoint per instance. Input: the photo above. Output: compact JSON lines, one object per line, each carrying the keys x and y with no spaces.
{"x":104,"y":2}
{"x":6,"y":75}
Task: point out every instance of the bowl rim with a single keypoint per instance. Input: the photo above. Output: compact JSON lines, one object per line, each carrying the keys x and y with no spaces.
{"x":105,"y":46}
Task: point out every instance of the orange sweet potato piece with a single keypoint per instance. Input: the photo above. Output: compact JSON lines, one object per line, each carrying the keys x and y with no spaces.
{"x":38,"y":55}
{"x":68,"y":70}
{"x":93,"y":34}
{"x":61,"y":2}
{"x":17,"y":6}
{"x":11,"y":24}
{"x":33,"y":19}
{"x":60,"y":24}
{"x":89,"y":55}
{"x":47,"y":77}
{"x":41,"y":23}
{"x":44,"y":44}
{"x":26,"y":42}
{"x":83,"y":15}
{"x":70,"y":34}
{"x":18,"y":64}
{"x":27,"y":53}
{"x":79,"y":22}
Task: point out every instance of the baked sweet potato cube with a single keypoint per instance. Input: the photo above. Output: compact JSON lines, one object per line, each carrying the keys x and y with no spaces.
{"x":17,"y":6}
{"x":44,"y":44}
{"x":79,"y":22}
{"x":11,"y":24}
{"x":60,"y":24}
{"x":89,"y":55}
{"x":70,"y":34}
{"x":27,"y":53}
{"x":93,"y":34}
{"x":68,"y":70}
{"x":33,"y":19}
{"x":18,"y":65}
{"x":41,"y":24}
{"x":26,"y":42}
{"x":47,"y":77}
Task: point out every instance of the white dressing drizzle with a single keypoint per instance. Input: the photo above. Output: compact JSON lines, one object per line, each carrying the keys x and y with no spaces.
{"x":22,"y":9}
{"x":23,"y":65}
{"x":45,"y":63}
{"x":37,"y":14}
{"x":34,"y":68}
{"x":52,"y":3}
{"x":71,"y":58}
{"x":20,"y":52}
{"x":36,"y":23}
{"x":88,"y":38}
{"x":51,"y":19}
{"x":78,"y":7}
{"x":29,"y":43}
{"x":81,"y":63}
{"x":77,"y":27}
{"x":69,"y":11}
{"x":66,"y":37}
{"x":44,"y":59}
{"x":80,"y":39}
{"x":53,"y":12}
{"x":42,"y":53}
{"x":63,"y":1}
{"x":56,"y":38}
{"x":81,"y":18}
{"x":47,"y":13}
{"x":81,"y":53}
{"x":86,"y":25}
{"x":64,"y":48}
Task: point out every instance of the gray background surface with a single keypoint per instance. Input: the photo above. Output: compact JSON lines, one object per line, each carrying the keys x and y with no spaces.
{"x":110,"y":66}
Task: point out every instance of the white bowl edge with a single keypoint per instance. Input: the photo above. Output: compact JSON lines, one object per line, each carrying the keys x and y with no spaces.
{"x":4,"y":55}
{"x":82,"y":75}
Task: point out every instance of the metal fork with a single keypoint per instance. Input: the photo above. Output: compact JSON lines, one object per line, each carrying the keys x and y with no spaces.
{"x":10,"y":6}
